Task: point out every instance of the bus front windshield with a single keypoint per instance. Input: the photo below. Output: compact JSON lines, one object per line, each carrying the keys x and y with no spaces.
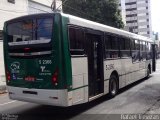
{"x":31,"y":31}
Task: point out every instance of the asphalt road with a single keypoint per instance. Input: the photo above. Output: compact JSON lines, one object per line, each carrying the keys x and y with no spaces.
{"x":142,"y":97}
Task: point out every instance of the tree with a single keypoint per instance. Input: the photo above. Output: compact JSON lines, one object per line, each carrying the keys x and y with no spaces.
{"x":102,"y":11}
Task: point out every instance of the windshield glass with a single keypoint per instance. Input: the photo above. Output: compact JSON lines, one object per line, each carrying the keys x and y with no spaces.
{"x":32,"y":31}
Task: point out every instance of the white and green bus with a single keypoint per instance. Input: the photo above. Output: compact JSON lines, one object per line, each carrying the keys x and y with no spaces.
{"x":62,"y":60}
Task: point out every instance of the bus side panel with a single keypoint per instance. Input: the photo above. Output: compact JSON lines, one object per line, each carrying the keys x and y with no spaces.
{"x":128,"y":69}
{"x":66,"y":58}
{"x":142,"y":68}
{"x":125,"y":76}
{"x":109,"y":67}
{"x":107,"y":73}
{"x":79,"y":92}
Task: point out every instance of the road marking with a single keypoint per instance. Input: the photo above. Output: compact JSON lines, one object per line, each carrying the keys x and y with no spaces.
{"x":8,"y":103}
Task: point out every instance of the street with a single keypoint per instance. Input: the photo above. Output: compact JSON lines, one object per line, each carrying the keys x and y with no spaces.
{"x":142,"y":97}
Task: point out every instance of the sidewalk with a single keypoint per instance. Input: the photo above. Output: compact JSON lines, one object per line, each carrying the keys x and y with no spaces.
{"x":2,"y":85}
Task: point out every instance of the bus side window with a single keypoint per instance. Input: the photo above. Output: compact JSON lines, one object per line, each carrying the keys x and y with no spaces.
{"x":135,"y":51}
{"x":125,"y":47}
{"x":111,"y":46}
{"x":148,"y":51}
{"x":76,"y":40}
{"x":142,"y":51}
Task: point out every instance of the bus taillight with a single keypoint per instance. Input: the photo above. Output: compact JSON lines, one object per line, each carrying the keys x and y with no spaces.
{"x":26,"y":49}
{"x":55,"y":78}
{"x":8,"y":76}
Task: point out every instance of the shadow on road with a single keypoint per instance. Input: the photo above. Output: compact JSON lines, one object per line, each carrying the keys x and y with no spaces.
{"x":59,"y":113}
{"x":134,"y":84}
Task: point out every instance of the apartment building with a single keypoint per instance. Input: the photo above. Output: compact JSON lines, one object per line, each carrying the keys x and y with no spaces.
{"x":138,"y":16}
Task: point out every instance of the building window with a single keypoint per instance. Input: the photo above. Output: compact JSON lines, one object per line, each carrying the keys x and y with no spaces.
{"x":11,"y":1}
{"x":132,"y":21}
{"x":130,"y":3}
{"x":1,"y":35}
{"x":132,"y":15}
{"x":131,"y":9}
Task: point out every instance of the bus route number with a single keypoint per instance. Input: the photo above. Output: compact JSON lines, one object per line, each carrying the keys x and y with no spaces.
{"x":110,"y":67}
{"x":45,"y":62}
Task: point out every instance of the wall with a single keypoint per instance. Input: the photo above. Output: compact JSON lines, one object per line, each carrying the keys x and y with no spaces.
{"x":9,"y":10}
{"x":48,"y":3}
{"x":34,"y":7}
{"x":1,"y":60}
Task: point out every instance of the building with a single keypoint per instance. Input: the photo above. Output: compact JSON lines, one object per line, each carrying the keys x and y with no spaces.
{"x":10,"y":9}
{"x":13,"y":8}
{"x":138,"y":16}
{"x":42,"y":6}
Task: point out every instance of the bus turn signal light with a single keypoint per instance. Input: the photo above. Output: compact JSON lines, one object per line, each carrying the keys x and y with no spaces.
{"x":55,"y":78}
{"x":8,"y":76}
{"x":26,"y":49}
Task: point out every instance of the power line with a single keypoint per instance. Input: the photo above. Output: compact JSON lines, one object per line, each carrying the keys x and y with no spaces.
{"x":49,"y":1}
{"x":39,"y":9}
{"x":61,"y":4}
{"x":53,"y":5}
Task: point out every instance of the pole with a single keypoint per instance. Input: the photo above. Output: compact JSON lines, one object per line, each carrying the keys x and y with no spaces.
{"x":53,"y":6}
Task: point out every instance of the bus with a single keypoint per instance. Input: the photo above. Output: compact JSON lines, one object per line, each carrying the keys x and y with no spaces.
{"x":62,"y":60}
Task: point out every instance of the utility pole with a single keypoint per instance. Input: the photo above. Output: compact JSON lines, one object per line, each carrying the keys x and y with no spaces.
{"x":53,"y":6}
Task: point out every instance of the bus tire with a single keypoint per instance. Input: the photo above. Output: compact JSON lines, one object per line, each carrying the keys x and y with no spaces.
{"x":148,"y":72}
{"x":113,"y":86}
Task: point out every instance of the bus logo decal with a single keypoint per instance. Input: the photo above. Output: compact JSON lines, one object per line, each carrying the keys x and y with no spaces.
{"x":15,"y":66}
{"x":43,"y":68}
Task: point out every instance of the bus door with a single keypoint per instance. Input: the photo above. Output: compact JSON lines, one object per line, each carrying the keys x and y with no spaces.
{"x":94,"y":51}
{"x":154,"y":57}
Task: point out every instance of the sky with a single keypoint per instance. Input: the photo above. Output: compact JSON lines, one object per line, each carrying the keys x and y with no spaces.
{"x":155,"y":15}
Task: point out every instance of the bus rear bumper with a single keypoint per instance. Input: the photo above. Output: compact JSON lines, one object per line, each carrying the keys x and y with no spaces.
{"x":40,"y":96}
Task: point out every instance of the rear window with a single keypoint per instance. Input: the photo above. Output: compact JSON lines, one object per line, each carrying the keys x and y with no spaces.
{"x":31,"y":31}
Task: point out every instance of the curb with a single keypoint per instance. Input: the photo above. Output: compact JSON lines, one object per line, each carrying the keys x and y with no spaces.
{"x":3,"y":89}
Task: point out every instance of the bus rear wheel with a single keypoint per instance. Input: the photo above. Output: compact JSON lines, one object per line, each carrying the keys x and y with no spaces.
{"x":148,"y":73}
{"x":113,"y":86}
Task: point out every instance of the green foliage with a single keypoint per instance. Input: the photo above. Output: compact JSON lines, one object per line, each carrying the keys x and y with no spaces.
{"x":102,"y":11}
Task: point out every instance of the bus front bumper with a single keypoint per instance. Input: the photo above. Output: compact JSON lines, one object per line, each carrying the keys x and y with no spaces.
{"x":40,"y":96}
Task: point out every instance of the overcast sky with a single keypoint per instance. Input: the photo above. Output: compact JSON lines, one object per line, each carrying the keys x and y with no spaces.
{"x":155,"y":14}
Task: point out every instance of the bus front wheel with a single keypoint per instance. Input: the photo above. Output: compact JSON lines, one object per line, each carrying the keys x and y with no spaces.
{"x":113,"y":86}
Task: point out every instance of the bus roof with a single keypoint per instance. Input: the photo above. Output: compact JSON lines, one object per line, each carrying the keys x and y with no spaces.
{"x":97,"y":26}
